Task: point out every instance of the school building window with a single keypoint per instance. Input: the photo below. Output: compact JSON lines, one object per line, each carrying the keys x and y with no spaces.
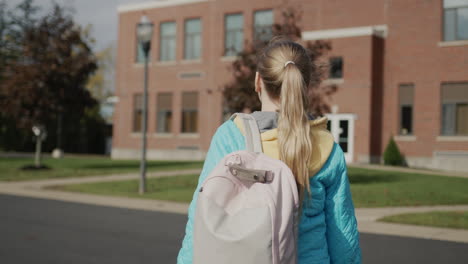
{"x":167,"y":41}
{"x":192,"y":39}
{"x":454,"y":109}
{"x":234,"y":34}
{"x":263,"y":22}
{"x":137,"y":112}
{"x":164,"y":113}
{"x":455,"y":20}
{"x":336,"y":68}
{"x":189,"y":112}
{"x":406,"y":98}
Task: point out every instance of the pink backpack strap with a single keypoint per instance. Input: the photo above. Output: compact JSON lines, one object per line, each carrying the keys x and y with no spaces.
{"x":253,"y":141}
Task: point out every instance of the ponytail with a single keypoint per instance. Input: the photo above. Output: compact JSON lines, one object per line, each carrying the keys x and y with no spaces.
{"x":286,"y":70}
{"x":295,"y":145}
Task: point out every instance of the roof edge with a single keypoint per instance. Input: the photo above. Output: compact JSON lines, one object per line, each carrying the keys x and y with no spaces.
{"x":155,"y":4}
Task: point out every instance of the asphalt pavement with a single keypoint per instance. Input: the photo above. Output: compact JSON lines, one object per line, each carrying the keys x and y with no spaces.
{"x":46,"y":231}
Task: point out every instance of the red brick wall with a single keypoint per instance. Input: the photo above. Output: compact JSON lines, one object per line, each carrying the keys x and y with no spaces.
{"x":413,"y":55}
{"x":373,"y":69}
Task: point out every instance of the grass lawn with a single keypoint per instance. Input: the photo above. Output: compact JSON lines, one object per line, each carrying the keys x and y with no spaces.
{"x":370,"y":188}
{"x":176,"y":188}
{"x":10,"y":168}
{"x":456,"y":219}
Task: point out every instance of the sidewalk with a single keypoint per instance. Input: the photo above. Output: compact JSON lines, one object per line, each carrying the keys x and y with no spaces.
{"x":367,"y":223}
{"x":367,"y":217}
{"x":37,"y":189}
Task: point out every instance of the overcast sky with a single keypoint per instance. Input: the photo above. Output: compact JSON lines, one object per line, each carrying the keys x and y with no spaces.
{"x":102,"y":14}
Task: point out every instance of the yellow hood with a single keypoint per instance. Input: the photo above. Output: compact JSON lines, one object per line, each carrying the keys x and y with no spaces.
{"x":322,"y":142}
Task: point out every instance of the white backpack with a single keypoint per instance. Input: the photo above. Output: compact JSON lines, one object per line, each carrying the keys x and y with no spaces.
{"x":247,"y":208}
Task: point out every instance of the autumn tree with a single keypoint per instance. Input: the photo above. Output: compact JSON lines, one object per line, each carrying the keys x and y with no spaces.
{"x":13,"y":23}
{"x":239,"y":94}
{"x":45,"y":85}
{"x":99,"y":86}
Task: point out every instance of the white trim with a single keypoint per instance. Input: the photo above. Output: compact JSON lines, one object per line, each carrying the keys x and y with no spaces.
{"x":135,"y":134}
{"x":155,"y":4}
{"x":166,"y":63}
{"x":404,"y":138}
{"x":376,"y":30}
{"x":196,"y":61}
{"x":142,"y":64}
{"x":163,"y":135}
{"x":452,"y":43}
{"x":451,"y":153}
{"x":188,"y":135}
{"x":455,"y":3}
{"x":333,"y":81}
{"x":228,"y":58}
{"x":342,"y":116}
{"x":452,"y":138}
{"x":336,"y":131}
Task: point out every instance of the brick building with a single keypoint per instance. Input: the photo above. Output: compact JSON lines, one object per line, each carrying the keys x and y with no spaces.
{"x":401,"y":67}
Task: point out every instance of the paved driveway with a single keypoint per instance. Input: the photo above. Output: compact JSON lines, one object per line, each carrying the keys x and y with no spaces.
{"x":47,"y":231}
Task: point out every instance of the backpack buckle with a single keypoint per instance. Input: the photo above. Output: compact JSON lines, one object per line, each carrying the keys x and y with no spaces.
{"x":250,"y":175}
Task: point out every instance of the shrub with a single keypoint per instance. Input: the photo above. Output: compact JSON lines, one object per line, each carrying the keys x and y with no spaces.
{"x":392,"y":155}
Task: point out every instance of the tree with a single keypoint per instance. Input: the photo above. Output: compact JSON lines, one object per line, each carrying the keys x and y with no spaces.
{"x":239,"y":94}
{"x":392,"y":155}
{"x":46,"y":83}
{"x":98,"y":85}
{"x":13,"y":22}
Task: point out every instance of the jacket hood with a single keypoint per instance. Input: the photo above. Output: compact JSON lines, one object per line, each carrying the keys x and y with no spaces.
{"x":322,"y":142}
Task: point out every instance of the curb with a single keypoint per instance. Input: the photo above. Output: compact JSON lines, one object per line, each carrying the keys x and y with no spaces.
{"x":368,"y":223}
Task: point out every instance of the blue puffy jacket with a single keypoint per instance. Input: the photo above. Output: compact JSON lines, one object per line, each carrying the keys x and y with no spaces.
{"x":328,"y":228}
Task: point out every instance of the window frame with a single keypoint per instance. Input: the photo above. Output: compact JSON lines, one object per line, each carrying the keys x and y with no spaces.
{"x":185,"y":109}
{"x":455,"y":132}
{"x":170,"y":110}
{"x":455,"y":103}
{"x":454,"y":8}
{"x":225,"y":48}
{"x":135,"y":111}
{"x":330,"y":59}
{"x":162,"y":38}
{"x":400,"y":109}
{"x":254,"y":31}
{"x":193,"y":34}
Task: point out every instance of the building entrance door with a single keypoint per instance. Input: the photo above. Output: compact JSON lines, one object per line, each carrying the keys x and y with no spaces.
{"x":342,"y":128}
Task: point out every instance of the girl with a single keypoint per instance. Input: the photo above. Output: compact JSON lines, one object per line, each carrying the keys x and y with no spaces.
{"x":327,"y":229}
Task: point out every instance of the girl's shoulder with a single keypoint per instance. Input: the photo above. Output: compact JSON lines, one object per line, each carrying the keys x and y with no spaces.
{"x":334,"y":168}
{"x":228,"y":134}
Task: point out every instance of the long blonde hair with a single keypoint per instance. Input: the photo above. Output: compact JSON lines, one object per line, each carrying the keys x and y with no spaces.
{"x":285,"y":69}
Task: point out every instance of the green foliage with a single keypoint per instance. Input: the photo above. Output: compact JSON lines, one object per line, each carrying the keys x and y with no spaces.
{"x":392,"y":155}
{"x":98,"y":84}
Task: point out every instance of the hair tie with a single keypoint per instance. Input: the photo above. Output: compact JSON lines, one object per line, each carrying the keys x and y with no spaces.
{"x":289,"y":62}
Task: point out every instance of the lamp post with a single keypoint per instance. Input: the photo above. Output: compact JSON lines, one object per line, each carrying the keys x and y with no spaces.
{"x":144,"y":34}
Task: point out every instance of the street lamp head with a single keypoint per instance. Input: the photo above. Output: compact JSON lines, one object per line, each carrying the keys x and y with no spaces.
{"x":145,"y":31}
